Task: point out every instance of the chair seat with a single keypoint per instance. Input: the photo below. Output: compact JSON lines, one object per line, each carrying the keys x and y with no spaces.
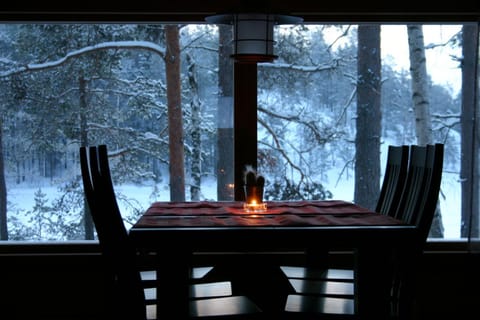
{"x":317,"y":274}
{"x":199,"y":290}
{"x":200,"y":272}
{"x":323,"y":287}
{"x":224,"y":306}
{"x":197,"y":273}
{"x":218,"y":308}
{"x":313,"y":305}
{"x":148,"y":260}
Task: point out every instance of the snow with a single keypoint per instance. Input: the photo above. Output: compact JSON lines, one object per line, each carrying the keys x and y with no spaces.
{"x":23,"y":197}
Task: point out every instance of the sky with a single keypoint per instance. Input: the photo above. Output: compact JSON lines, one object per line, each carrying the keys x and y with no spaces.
{"x":394,"y":46}
{"x":441,"y":67}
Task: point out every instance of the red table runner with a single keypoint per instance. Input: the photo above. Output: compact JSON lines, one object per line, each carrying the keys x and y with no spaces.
{"x":278,"y":213}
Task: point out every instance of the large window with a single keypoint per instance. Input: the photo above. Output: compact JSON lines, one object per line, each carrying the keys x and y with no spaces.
{"x":161,"y":97}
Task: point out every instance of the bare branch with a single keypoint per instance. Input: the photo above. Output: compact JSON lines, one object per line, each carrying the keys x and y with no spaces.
{"x":143,"y":45}
{"x":278,"y":147}
{"x":324,"y":67}
{"x":320,"y":137}
{"x":343,"y":34}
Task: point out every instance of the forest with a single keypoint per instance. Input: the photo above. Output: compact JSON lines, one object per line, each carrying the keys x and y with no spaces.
{"x":160,"y":96}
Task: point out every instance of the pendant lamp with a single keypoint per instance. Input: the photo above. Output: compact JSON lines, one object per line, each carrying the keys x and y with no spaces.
{"x":253,"y":34}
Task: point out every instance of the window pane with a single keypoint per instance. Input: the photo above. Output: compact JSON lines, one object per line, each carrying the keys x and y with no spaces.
{"x":307,"y":104}
{"x":66,"y":85}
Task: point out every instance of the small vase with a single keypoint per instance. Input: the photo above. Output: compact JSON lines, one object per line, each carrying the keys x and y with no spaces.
{"x":253,"y":193}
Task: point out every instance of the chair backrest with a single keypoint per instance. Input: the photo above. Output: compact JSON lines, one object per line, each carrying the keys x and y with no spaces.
{"x":412,"y":192}
{"x":424,"y":214}
{"x":393,"y":179}
{"x":419,"y":211}
{"x":419,"y":199}
{"x":120,"y":256}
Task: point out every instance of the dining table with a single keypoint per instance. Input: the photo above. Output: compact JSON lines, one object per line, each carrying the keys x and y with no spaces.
{"x":176,"y":230}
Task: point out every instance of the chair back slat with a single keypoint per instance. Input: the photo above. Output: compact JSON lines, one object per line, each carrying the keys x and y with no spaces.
{"x":393,"y":180}
{"x":423,"y":217}
{"x":412,"y":190}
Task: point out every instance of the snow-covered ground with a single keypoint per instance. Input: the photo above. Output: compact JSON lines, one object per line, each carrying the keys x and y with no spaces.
{"x":343,"y":189}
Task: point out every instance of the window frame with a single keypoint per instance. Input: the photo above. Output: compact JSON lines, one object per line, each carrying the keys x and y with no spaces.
{"x":245,"y":75}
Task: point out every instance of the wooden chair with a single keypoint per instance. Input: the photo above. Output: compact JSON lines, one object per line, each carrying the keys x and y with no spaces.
{"x":420,"y":214}
{"x":390,"y":193}
{"x":146,"y":258}
{"x":127,"y":290}
{"x":418,"y":202}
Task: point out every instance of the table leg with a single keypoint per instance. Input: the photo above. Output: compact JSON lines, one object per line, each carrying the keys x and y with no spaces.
{"x":406,"y":282}
{"x":373,"y":282}
{"x":173,"y":283}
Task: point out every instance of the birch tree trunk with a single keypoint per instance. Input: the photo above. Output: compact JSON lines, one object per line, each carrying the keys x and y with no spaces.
{"x":175,"y":120}
{"x":421,"y":104}
{"x":367,"y":139}
{"x":420,"y":96}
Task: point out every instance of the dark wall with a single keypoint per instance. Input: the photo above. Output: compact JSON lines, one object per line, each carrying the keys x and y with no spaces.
{"x":51,"y":287}
{"x":448,"y":286}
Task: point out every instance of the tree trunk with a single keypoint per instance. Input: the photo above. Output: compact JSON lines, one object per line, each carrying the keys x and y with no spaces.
{"x":88,"y":222}
{"x":175,"y":120}
{"x":421,"y":104}
{"x":225,"y":170}
{"x":3,"y":191}
{"x":420,"y":96}
{"x":469,"y":170}
{"x":196,"y":130}
{"x":367,"y":139}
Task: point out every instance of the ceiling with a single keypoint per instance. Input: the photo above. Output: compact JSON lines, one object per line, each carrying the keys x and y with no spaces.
{"x":196,"y":10}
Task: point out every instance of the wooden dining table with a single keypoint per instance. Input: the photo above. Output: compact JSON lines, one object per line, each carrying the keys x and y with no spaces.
{"x":175,"y":230}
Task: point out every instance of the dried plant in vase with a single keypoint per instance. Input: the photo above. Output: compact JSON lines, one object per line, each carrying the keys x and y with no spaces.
{"x":254,"y":184}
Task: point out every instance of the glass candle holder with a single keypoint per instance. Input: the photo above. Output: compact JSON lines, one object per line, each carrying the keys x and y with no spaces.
{"x":255,"y":207}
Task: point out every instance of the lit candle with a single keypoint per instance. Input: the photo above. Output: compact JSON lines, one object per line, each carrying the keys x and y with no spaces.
{"x":254,"y":206}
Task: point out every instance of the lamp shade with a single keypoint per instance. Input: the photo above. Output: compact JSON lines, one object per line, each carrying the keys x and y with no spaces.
{"x":253,"y":34}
